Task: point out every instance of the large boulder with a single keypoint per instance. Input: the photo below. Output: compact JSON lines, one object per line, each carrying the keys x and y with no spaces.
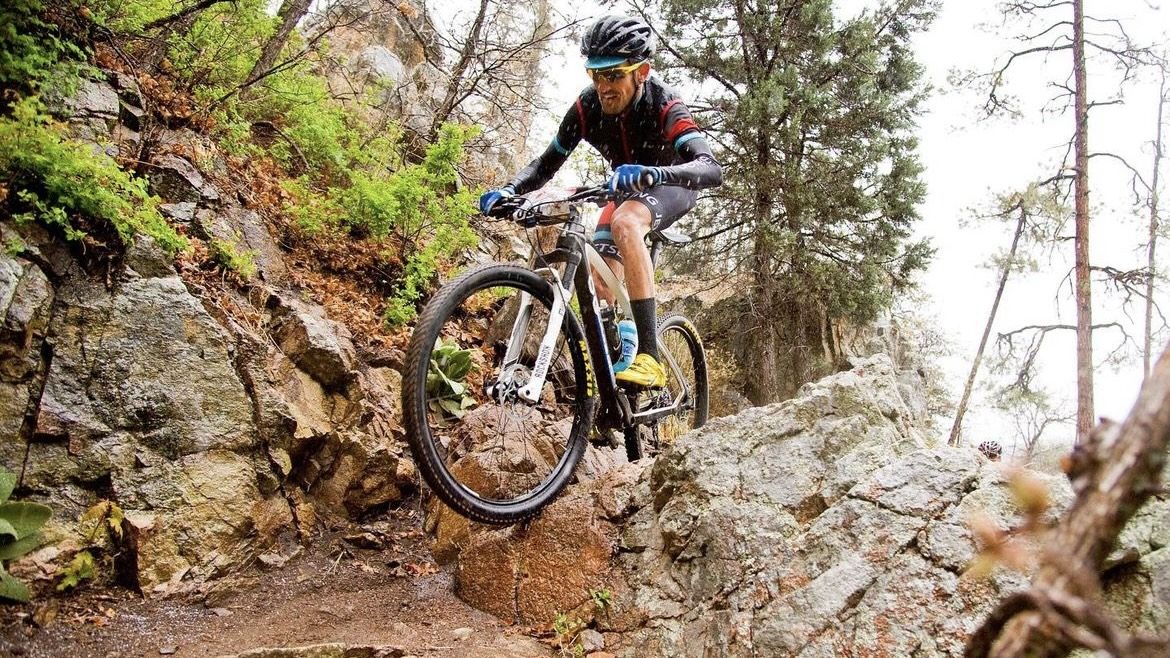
{"x":826,"y":525}
{"x":119,"y":406}
{"x":319,"y":346}
{"x":217,"y":441}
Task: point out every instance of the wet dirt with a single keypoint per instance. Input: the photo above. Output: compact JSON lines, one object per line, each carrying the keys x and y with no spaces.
{"x":355,"y":587}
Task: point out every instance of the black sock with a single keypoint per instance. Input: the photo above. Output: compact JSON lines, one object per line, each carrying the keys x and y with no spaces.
{"x":644,"y":318}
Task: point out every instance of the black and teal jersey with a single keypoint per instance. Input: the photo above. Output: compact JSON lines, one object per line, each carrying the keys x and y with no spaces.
{"x":655,"y":130}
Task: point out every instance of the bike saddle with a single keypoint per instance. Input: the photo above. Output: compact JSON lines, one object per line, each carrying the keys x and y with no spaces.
{"x":669,"y":236}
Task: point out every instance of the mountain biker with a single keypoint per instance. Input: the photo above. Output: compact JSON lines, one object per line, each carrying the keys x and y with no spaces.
{"x":660,"y":160}
{"x":991,"y":449}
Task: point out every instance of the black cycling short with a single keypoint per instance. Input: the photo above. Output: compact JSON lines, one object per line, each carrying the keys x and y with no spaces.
{"x":666,"y":203}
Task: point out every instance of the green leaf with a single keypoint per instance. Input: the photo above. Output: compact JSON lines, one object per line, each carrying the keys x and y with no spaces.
{"x":459,"y":365}
{"x":452,"y":407}
{"x":25,"y":518}
{"x":115,"y":519}
{"x":7,"y":484}
{"x":6,"y":530}
{"x":14,"y":549}
{"x":12,"y":589}
{"x":81,"y":568}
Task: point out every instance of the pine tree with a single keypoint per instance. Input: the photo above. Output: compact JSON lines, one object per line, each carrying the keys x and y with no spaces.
{"x":812,"y":118}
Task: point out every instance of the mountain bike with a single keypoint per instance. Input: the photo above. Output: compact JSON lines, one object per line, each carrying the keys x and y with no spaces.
{"x":508,"y":374}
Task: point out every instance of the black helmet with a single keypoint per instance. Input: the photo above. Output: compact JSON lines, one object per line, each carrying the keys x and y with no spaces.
{"x":615,"y":40}
{"x":991,"y":449}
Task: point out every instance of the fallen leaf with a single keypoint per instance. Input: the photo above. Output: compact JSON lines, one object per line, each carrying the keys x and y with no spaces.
{"x":45,"y":614}
{"x":423,"y":569}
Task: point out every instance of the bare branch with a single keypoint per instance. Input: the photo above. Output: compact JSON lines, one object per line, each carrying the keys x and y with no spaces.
{"x":183,"y":13}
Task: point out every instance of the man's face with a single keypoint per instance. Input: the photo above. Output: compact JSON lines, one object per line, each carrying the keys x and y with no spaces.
{"x":616,"y":94}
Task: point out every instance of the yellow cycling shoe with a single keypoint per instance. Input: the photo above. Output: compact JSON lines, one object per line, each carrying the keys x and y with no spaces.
{"x":645,"y":371}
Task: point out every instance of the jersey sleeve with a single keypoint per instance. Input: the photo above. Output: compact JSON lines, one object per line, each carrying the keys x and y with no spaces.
{"x":545,"y":166}
{"x":699,"y":168}
{"x":677,"y":124}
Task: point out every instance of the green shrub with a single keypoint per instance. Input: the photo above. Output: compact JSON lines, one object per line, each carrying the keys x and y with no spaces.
{"x":129,"y":17}
{"x":311,"y":209}
{"x":57,"y":179}
{"x":35,"y":55}
{"x":417,"y":209}
{"x":20,"y":523}
{"x":218,"y":52}
{"x":100,"y":528}
{"x":81,"y":567}
{"x":333,"y":137}
{"x":226,"y":255}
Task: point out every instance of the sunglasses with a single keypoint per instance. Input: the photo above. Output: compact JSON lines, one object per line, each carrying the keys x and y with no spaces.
{"x":613,"y":74}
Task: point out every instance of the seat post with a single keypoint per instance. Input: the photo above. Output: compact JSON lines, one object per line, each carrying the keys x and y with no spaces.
{"x":655,"y":249}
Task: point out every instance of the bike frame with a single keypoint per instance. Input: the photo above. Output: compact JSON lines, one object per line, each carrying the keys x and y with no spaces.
{"x":580,"y":260}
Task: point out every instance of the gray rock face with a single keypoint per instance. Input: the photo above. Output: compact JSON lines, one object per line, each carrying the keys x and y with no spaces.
{"x":184,"y":211}
{"x":246,"y":232}
{"x":380,"y":62}
{"x":122,"y":362}
{"x":821,"y":526}
{"x":93,"y":99}
{"x":176,"y":180}
{"x":108,"y":377}
{"x":26,"y":297}
{"x":317,"y":345}
{"x":214,"y":442}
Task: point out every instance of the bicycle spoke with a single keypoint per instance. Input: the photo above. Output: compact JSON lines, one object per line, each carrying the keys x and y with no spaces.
{"x":496,"y":445}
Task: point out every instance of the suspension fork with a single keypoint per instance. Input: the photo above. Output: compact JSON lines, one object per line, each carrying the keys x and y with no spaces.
{"x":562,"y":292}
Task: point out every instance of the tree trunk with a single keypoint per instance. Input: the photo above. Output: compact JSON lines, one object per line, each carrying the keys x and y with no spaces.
{"x":1151,"y":262}
{"x":1113,"y":473}
{"x":291,"y":12}
{"x":455,"y":85}
{"x":1085,"y":413}
{"x":761,"y":357}
{"x":957,"y":428}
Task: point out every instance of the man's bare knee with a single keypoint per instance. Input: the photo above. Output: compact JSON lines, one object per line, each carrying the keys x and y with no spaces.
{"x":629,"y":225}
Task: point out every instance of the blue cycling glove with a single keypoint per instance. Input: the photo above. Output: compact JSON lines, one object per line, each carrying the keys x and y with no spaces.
{"x":632,"y":178}
{"x":492,"y":197}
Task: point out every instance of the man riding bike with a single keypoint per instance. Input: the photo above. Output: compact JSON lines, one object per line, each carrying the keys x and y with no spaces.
{"x":660,"y":159}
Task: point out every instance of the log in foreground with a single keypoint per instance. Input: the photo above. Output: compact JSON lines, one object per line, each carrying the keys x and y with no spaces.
{"x":1113,"y":474}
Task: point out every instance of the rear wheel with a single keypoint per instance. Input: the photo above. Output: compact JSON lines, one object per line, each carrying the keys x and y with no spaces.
{"x":485,"y":450}
{"x":681,"y":353}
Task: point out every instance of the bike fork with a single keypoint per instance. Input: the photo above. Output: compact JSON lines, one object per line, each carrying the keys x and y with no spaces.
{"x":530,"y":392}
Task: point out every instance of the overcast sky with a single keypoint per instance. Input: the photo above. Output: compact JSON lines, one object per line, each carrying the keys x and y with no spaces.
{"x":967,"y":160}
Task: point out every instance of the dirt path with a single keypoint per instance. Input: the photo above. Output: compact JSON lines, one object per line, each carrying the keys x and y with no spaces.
{"x":335,"y":592}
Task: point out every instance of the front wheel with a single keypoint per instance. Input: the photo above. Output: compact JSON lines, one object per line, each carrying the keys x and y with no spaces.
{"x":681,"y":352}
{"x":493,"y":443}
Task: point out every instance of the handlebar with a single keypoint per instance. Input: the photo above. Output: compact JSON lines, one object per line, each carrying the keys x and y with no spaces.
{"x":514,"y":207}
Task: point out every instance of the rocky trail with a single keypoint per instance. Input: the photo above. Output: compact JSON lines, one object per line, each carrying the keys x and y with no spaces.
{"x":374,"y":592}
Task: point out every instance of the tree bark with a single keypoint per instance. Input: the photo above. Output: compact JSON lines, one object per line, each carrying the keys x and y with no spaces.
{"x":291,"y":12}
{"x":1084,"y":305}
{"x":181,"y":14}
{"x":466,"y":55}
{"x":1113,"y":473}
{"x":957,"y":428}
{"x":1151,"y":262}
